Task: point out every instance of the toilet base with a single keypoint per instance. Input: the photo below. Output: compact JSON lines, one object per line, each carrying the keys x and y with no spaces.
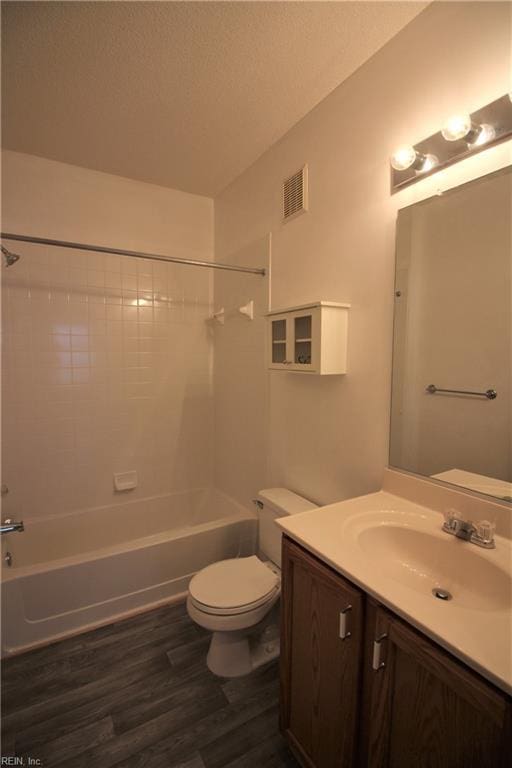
{"x":234,"y":654}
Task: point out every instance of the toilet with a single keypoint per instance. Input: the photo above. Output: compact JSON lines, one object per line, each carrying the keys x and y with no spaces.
{"x":238,"y":599}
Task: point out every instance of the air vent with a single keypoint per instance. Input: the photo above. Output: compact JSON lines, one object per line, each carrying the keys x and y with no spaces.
{"x":295,"y":194}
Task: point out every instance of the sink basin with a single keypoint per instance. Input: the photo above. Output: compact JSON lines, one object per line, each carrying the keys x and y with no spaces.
{"x":423,"y":560}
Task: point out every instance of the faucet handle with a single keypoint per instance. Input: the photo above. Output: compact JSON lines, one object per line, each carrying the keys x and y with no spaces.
{"x":485,"y":531}
{"x":450,"y":516}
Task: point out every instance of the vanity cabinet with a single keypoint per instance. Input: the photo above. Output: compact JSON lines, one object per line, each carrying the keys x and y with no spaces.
{"x":322,"y":634}
{"x":311,"y":338}
{"x":384,"y":697}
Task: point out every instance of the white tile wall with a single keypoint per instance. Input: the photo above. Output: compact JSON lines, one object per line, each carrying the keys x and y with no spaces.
{"x":106,"y":367}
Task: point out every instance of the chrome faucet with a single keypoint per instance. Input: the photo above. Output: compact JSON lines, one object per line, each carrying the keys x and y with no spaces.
{"x":10,"y":526}
{"x":481,"y":534}
{"x":464,"y":529}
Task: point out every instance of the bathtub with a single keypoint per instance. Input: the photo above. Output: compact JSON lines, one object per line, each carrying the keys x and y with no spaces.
{"x":72,"y":573}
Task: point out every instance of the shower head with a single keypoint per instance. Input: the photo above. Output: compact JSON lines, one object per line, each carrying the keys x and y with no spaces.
{"x":10,"y":258}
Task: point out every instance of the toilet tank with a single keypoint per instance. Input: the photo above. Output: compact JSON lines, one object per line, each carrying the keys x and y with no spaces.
{"x":273,"y":503}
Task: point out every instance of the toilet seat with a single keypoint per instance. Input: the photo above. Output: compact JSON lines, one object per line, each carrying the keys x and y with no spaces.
{"x":213,"y":611}
{"x":233,"y":587}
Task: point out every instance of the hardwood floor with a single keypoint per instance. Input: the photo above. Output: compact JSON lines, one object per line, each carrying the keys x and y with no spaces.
{"x":138,"y":694}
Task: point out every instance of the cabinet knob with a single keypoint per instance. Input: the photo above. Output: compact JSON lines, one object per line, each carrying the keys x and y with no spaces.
{"x":344,"y":633}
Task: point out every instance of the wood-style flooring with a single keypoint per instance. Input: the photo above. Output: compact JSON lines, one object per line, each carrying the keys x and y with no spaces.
{"x":138,"y":694}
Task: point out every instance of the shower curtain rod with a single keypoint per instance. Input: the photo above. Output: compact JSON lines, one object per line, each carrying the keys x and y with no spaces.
{"x":136,"y":254}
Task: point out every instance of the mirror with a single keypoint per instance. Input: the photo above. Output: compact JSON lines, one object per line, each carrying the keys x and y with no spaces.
{"x":451,"y":409}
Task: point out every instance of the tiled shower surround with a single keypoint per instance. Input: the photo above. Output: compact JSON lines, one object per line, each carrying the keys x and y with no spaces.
{"x":107,"y":367}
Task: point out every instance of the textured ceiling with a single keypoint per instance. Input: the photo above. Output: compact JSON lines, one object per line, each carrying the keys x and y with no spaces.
{"x":182,"y":94}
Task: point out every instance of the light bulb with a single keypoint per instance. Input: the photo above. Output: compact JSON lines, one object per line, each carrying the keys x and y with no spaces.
{"x":457,"y":127}
{"x":486,"y":133}
{"x":403,"y":157}
{"x":407,"y":157}
{"x":429,"y":162}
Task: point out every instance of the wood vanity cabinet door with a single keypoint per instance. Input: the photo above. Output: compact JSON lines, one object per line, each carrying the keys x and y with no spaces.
{"x":320,"y":671}
{"x":430,"y":711}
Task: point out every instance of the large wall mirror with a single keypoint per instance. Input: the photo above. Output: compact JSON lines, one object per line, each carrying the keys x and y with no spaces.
{"x":451,"y":410}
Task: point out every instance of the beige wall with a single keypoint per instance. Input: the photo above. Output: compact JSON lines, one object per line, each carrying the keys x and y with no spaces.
{"x":240,"y":377}
{"x":107,"y":361}
{"x":328,"y":437}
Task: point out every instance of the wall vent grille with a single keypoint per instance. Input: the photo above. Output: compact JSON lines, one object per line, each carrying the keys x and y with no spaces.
{"x":295,"y":194}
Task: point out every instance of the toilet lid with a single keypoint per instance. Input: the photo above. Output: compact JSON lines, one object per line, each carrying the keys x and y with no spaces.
{"x":233,"y":583}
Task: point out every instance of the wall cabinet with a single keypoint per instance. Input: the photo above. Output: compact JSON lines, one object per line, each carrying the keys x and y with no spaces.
{"x":311,"y":338}
{"x":361,"y":688}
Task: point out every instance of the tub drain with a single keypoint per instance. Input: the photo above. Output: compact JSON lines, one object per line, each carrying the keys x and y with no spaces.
{"x":441,"y":594}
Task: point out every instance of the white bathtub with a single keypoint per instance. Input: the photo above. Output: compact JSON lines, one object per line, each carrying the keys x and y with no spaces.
{"x":75,"y":572}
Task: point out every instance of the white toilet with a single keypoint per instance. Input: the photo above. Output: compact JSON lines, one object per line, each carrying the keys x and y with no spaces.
{"x":238,"y":599}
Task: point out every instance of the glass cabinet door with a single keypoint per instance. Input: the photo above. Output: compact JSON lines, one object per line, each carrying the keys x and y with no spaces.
{"x":302,"y":339}
{"x":279,"y":341}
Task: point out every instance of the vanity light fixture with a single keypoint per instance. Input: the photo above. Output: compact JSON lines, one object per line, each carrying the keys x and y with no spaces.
{"x":461,"y":136}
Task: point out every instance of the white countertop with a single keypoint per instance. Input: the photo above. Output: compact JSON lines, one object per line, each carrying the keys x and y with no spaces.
{"x":479,"y":483}
{"x":477,"y":633}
